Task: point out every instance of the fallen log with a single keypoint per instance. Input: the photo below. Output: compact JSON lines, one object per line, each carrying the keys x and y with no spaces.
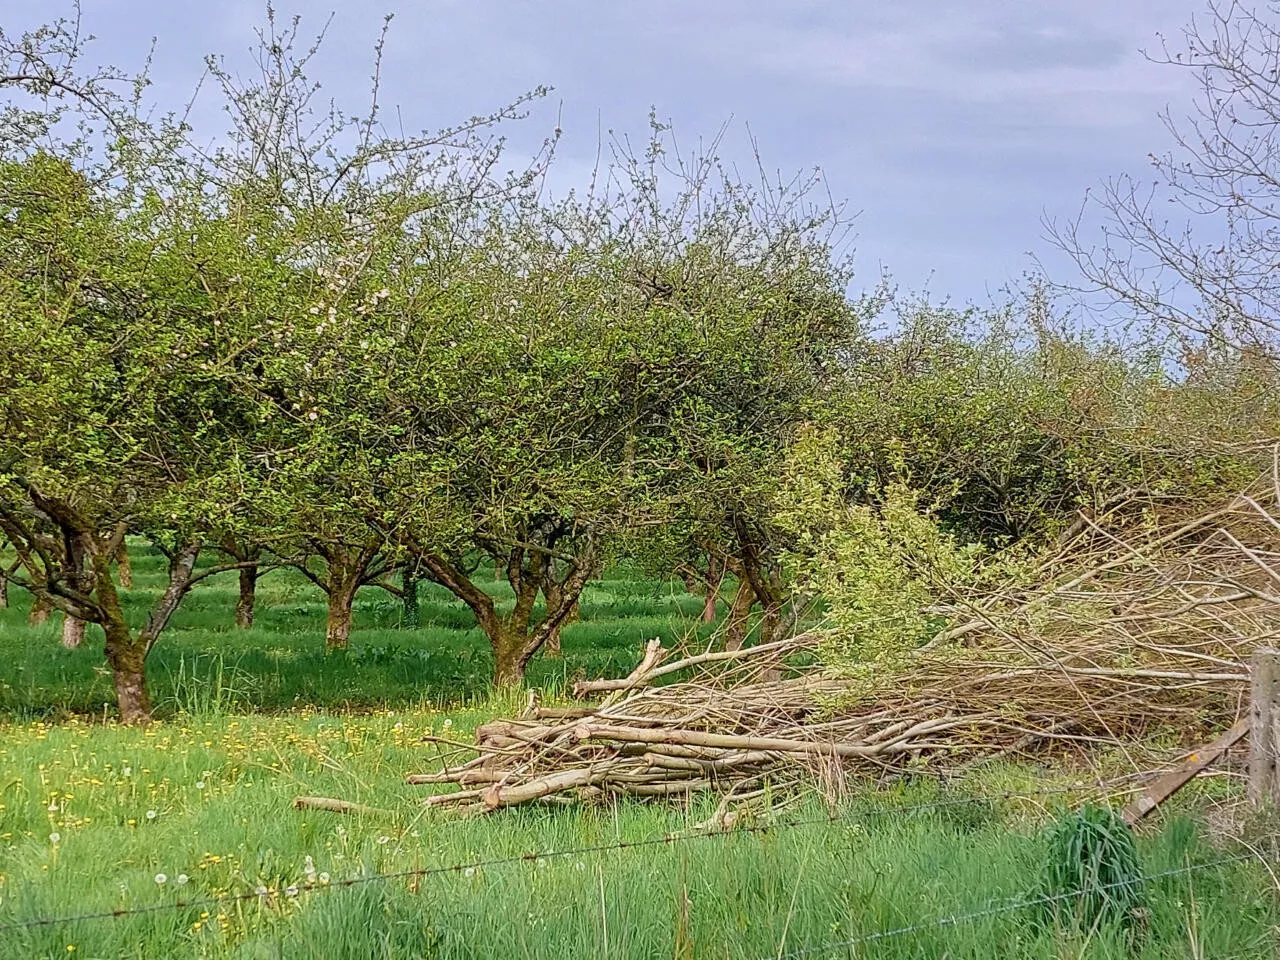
{"x":648,"y":671}
{"x":506,"y":796}
{"x":596,"y":731}
{"x":337,"y":806}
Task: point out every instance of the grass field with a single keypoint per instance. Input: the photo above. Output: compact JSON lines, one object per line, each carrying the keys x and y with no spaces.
{"x":98,"y":817}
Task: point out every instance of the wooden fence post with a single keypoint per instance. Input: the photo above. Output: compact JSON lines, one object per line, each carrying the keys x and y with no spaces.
{"x":1264,"y":737}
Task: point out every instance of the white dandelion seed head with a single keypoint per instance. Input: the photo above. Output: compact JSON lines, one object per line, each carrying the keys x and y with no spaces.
{"x":151,"y":814}
{"x":260,"y":890}
{"x":324,"y":877}
{"x":291,"y":890}
{"x":181,"y":879}
{"x":161,"y":879}
{"x":55,"y":837}
{"x":469,"y":872}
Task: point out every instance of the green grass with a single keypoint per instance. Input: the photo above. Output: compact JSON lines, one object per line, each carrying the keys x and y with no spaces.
{"x":92,"y":812}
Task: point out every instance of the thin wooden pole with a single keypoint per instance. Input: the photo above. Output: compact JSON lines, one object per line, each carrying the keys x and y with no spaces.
{"x":1264,"y":714}
{"x":1173,"y":781}
{"x":336,"y":806}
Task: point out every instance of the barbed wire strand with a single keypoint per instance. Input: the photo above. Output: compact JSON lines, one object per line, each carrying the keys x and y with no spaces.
{"x":997,"y":908}
{"x":666,"y":839}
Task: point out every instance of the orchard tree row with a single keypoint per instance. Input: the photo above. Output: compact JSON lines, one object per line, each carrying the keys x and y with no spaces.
{"x":381,"y":358}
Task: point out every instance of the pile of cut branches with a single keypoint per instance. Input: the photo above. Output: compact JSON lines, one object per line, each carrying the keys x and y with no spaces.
{"x":1143,"y":622}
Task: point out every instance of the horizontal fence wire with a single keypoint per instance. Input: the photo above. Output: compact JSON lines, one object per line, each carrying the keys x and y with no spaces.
{"x":996,"y":908}
{"x":263,"y":893}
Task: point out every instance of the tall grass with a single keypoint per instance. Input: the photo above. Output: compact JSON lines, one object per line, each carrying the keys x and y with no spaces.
{"x":93,"y":814}
{"x":204,"y":686}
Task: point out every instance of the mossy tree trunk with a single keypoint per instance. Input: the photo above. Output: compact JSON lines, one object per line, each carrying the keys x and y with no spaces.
{"x":347,"y":568}
{"x":246,"y":557}
{"x":553,"y":593}
{"x":410,"y":612}
{"x":39,"y":612}
{"x":80,"y":579}
{"x":777,"y":615}
{"x":4,"y":582}
{"x":516,"y":637}
{"x":247,"y":598}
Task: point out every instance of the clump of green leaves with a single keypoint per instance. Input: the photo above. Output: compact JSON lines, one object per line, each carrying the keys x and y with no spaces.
{"x":1092,"y":877}
{"x":879,"y":567}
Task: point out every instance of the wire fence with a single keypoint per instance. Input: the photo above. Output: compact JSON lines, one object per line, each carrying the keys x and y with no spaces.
{"x":994,"y":908}
{"x":510,"y":860}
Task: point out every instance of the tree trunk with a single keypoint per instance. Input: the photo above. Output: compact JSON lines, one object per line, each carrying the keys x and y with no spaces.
{"x":345,"y":570}
{"x":509,"y":656}
{"x":126,"y":653}
{"x":248,"y":597}
{"x":515,"y":638}
{"x":124,"y":566}
{"x":127,"y":658}
{"x":735,"y":633}
{"x":82,"y":580}
{"x":553,"y":591}
{"x":709,"y":607}
{"x":341,"y":586}
{"x":552,"y":647}
{"x":4,"y":583}
{"x":770,"y":591}
{"x":337,"y":628}
{"x":72,"y":632}
{"x":411,"y":615}
{"x":39,"y":612}
{"x":771,"y":624}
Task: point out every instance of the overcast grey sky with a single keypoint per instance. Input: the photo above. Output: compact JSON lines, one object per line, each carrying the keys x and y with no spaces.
{"x":952,"y":126}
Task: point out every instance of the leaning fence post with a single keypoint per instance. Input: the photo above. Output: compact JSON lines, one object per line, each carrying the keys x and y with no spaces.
{"x":1264,"y":714}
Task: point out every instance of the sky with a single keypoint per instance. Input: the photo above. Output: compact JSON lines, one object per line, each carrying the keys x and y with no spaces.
{"x":953,"y":130}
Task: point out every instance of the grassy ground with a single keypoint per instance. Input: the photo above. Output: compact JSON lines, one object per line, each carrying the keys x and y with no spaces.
{"x":98,"y":817}
{"x":281,"y":664}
